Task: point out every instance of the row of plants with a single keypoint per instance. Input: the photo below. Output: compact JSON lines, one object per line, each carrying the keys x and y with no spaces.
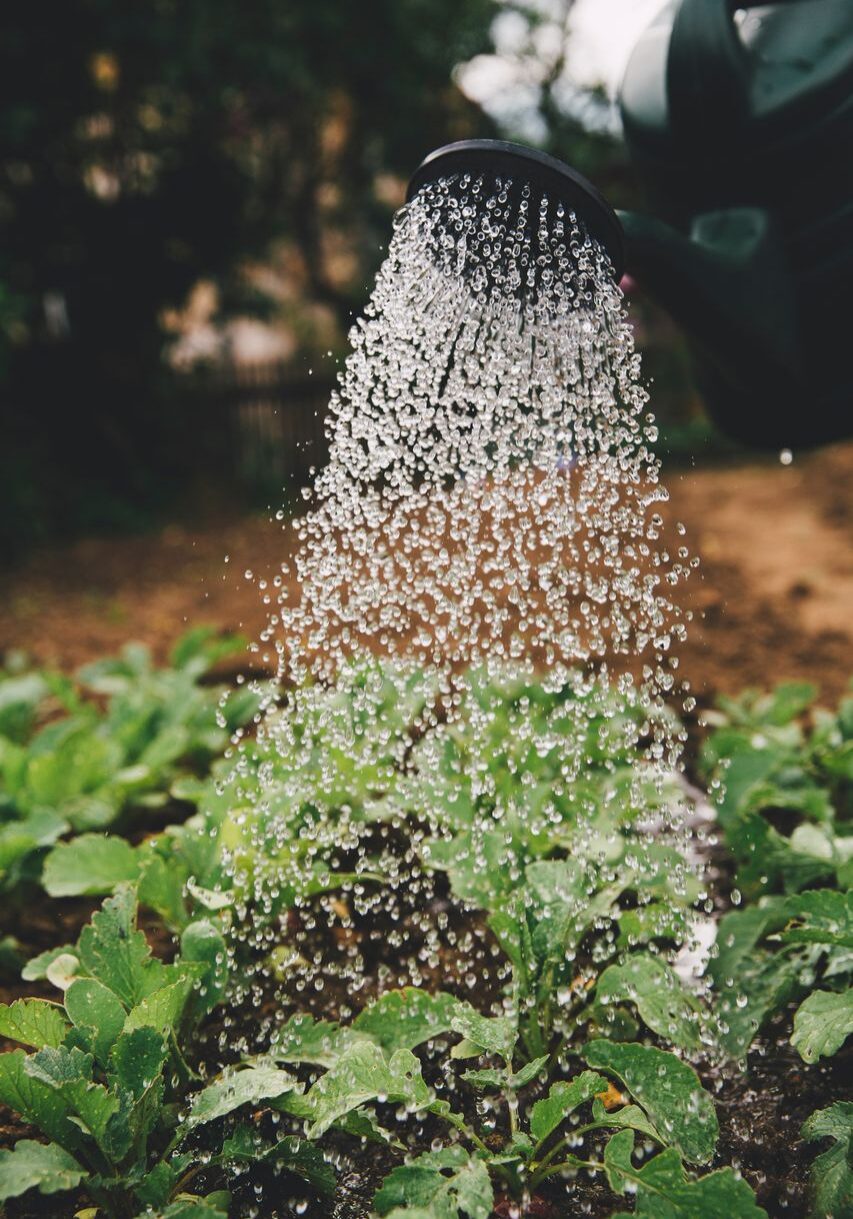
{"x":586,"y":1067}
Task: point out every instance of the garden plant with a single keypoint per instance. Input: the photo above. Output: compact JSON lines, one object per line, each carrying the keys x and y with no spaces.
{"x":560,"y":1051}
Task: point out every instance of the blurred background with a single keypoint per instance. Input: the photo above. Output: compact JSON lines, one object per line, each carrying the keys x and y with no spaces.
{"x":194,"y":198}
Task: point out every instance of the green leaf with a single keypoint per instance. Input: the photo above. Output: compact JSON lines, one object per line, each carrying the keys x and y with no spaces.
{"x":203,"y":944}
{"x":161,"y":1010}
{"x":630,"y":1117}
{"x":822,"y":1024}
{"x":546,"y":1115}
{"x":45,"y":1167}
{"x":189,"y":1208}
{"x":832,"y":1172}
{"x":291,"y":1153}
{"x":137,"y":1059}
{"x":495,"y":1078}
{"x":161,"y":887}
{"x":35,"y":1101}
{"x":89,"y":865}
{"x":656,"y":992}
{"x":304,"y":1039}
{"x":404,"y":1019}
{"x":96,"y":1011}
{"x":739,"y":931}
{"x":520,"y":1079}
{"x":665,"y":1192}
{"x":157,"y":1185}
{"x":235,"y":1088}
{"x":820,"y":916}
{"x":113,"y":951}
{"x":69,"y":1072}
{"x":444,"y":1184}
{"x":33,"y":1022}
{"x":365,"y":1073}
{"x":668,"y":1089}
{"x":492,"y":1034}
{"x":751,"y":983}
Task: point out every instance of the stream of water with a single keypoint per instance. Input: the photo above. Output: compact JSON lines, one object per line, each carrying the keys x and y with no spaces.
{"x":491,"y":510}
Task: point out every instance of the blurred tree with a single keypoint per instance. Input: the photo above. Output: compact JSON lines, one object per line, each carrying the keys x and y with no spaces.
{"x":146,"y":145}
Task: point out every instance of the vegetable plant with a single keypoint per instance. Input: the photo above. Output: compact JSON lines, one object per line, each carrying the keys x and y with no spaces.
{"x":77,"y":755}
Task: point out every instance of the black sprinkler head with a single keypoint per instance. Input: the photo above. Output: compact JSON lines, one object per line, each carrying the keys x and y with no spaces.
{"x":499,"y":160}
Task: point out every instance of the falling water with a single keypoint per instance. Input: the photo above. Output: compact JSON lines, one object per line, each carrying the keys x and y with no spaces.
{"x":490,"y":511}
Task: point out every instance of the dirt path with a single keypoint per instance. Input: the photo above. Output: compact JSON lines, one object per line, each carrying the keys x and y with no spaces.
{"x":773,"y":597}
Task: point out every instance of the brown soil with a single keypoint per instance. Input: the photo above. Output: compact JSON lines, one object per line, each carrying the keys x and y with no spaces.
{"x":772,"y":598}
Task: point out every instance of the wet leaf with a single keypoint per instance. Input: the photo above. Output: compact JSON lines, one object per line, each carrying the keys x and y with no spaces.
{"x":658,"y":995}
{"x":33,"y":1022}
{"x":664,"y":1191}
{"x":68,"y":1072}
{"x":235,"y":1088}
{"x":404,"y":1019}
{"x":832,"y":1172}
{"x":37,"y":1102}
{"x":820,"y":916}
{"x":446,"y":1184}
{"x":304,"y":1039}
{"x":45,"y":1167}
{"x":362,"y":1074}
{"x":292,"y":1154}
{"x":89,"y":865}
{"x":668,"y":1089}
{"x":113,"y":951}
{"x":137,"y":1059}
{"x":546,"y":1115}
{"x":492,"y":1034}
{"x":822,"y":1023}
{"x":97,"y":1013}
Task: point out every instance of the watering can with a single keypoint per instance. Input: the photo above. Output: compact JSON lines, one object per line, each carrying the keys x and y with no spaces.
{"x":741,"y":124}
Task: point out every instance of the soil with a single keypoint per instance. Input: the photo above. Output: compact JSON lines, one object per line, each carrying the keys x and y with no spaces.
{"x":772,"y":601}
{"x":772,"y":598}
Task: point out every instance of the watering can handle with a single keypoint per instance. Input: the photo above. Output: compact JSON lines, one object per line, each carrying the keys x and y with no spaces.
{"x":708,"y":72}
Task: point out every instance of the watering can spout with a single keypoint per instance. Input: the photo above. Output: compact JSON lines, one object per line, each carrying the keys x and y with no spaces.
{"x":728,"y":287}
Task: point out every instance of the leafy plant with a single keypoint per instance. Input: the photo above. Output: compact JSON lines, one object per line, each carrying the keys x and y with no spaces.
{"x":124,"y":732}
{"x":107,"y":1074}
{"x":786,"y":789}
{"x":371,"y":1063}
{"x":776,"y":951}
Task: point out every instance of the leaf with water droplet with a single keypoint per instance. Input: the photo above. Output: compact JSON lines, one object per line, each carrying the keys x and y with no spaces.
{"x":404,"y":1019}
{"x":831,"y":1178}
{"x":546,"y":1115}
{"x":668,"y":1089}
{"x":362,"y":1074}
{"x":664,"y":1191}
{"x":820,"y":916}
{"x":292,"y":1154}
{"x":97,"y":1013}
{"x":45,"y":1167}
{"x":658,"y":995}
{"x":33,"y":1022}
{"x":491,"y":1034}
{"x":234,"y":1088}
{"x":89,"y":865}
{"x":445,"y":1184}
{"x":822,"y":1023}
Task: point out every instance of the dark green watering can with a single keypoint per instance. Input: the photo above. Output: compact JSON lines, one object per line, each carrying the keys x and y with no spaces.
{"x":740,"y":120}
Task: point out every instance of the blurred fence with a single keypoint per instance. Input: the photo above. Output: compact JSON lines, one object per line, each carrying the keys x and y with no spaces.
{"x":274,"y":422}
